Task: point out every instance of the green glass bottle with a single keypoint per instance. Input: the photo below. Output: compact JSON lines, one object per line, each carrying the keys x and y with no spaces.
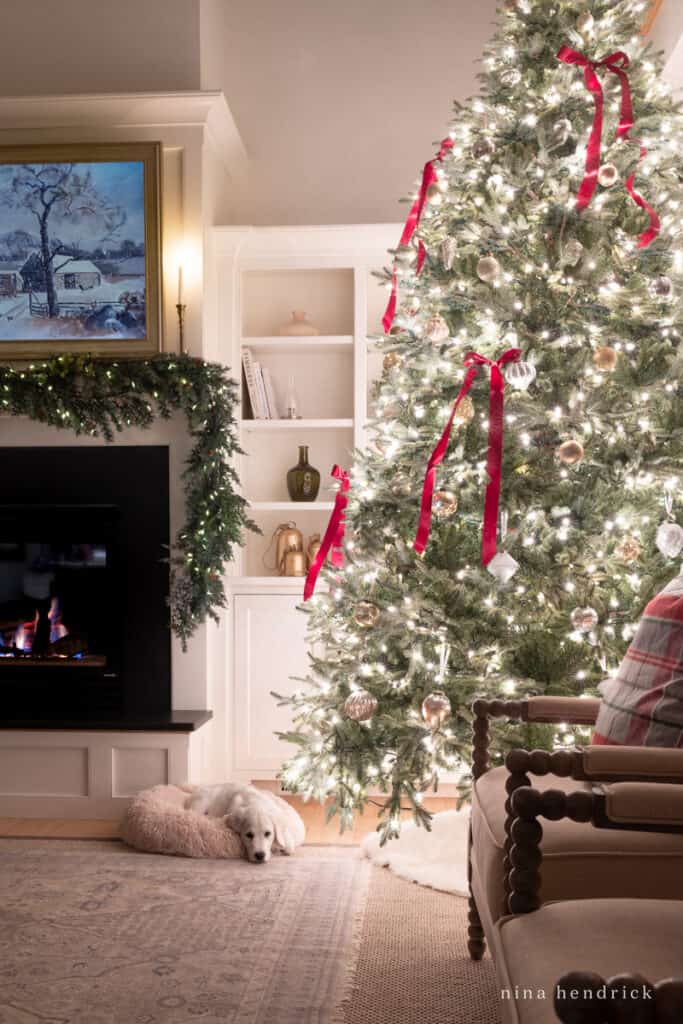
{"x":303,"y":481}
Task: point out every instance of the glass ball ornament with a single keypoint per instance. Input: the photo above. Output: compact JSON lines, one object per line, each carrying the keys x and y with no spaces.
{"x":366,"y":614}
{"x":572,"y":252}
{"x":585,"y":23}
{"x":669,"y":539}
{"x":391,"y":361}
{"x":465,"y":412}
{"x":561,"y":130}
{"x":436,"y":708}
{"x":360,"y":706}
{"x":502,"y":566}
{"x":437,"y":329}
{"x":605,"y":358}
{"x":584,"y":619}
{"x":570,"y":452}
{"x":482,"y":148}
{"x":662,"y":289}
{"x":608,"y":175}
{"x":628,"y":550}
{"x":488,"y":269}
{"x":444,"y":504}
{"x":520,"y":375}
{"x":449,"y":248}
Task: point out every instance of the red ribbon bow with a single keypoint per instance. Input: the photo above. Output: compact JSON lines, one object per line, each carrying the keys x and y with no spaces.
{"x":334,"y":534}
{"x":428,"y":178}
{"x":615,"y":62}
{"x":494,"y":458}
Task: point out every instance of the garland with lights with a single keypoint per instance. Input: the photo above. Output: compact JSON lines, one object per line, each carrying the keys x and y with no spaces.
{"x":101,"y":397}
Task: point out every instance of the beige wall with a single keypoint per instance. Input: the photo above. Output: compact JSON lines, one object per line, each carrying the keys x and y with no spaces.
{"x":71,"y":46}
{"x":338,"y":103}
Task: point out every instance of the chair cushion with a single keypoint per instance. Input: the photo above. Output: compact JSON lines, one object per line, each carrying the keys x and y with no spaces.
{"x":609,"y":937}
{"x":642,"y":705}
{"x":579,"y":861}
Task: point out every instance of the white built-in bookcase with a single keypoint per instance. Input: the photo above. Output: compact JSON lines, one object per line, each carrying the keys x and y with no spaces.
{"x":263,"y":274}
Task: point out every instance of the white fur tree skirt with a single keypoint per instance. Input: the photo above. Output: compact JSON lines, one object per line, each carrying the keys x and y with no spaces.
{"x":437,"y":859}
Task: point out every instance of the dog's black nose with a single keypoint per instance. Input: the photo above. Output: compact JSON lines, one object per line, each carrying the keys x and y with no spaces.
{"x":260,"y":855}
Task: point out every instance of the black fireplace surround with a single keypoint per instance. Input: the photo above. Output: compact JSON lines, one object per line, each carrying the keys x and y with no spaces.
{"x":84,"y":631}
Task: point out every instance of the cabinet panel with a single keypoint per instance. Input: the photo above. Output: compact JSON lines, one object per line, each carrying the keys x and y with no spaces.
{"x":270,"y":647}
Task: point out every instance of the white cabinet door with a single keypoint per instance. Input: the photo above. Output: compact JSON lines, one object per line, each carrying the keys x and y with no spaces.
{"x":270,"y":647}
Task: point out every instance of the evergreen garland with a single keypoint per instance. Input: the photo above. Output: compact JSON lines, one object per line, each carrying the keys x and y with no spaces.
{"x":101,"y":397}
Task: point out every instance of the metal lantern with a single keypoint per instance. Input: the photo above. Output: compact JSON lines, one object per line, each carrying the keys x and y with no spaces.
{"x":360,"y":706}
{"x":669,"y":539}
{"x":444,"y":504}
{"x":520,"y":375}
{"x":584,"y":619}
{"x":503,"y":566}
{"x":366,"y":614}
{"x":436,"y":708}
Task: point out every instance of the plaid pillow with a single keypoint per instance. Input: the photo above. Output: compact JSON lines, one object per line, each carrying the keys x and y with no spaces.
{"x":642,"y":705}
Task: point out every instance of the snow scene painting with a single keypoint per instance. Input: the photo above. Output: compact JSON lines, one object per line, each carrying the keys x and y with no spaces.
{"x":74,"y":261}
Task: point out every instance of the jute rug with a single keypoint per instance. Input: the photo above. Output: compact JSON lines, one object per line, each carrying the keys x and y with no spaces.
{"x":92,"y":932}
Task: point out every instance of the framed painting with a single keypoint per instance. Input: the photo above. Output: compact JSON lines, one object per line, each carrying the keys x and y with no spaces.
{"x":80,"y":250}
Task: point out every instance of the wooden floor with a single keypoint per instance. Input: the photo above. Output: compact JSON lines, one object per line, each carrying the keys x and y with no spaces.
{"x":313,"y":814}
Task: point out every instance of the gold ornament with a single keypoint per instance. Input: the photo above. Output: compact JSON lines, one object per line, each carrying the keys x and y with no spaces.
{"x":391,"y":360}
{"x":608,"y":175}
{"x":436,"y":708}
{"x":584,"y":619}
{"x":312,"y":549}
{"x":437,"y":329}
{"x":605,"y":358}
{"x":294,"y":564}
{"x":444,"y":504}
{"x":570,"y":452}
{"x":360,"y":706}
{"x":287,"y":538}
{"x":488,"y":269}
{"x":366,"y":614}
{"x":628,"y":550}
{"x":465,"y":411}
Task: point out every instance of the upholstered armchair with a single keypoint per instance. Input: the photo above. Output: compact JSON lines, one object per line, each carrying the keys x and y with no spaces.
{"x":581,"y":859}
{"x":625,"y":940}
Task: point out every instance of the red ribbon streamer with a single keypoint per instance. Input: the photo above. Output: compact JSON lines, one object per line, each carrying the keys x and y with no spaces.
{"x":494,"y":459}
{"x":334,"y":534}
{"x":617,"y":63}
{"x":428,"y":178}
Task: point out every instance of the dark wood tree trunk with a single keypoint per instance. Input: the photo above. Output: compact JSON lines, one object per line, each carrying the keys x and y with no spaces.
{"x":52,"y":306}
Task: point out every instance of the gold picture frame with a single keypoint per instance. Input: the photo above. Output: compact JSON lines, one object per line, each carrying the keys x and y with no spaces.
{"x":80,"y":250}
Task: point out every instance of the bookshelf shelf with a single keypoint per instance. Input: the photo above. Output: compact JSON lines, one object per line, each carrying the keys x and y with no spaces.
{"x":291,"y":506}
{"x":341,"y":424}
{"x":275,"y":345}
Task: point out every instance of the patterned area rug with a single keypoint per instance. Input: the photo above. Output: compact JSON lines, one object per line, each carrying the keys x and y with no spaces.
{"x":92,"y":932}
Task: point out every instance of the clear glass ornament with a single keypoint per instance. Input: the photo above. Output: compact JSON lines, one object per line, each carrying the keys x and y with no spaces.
{"x":488,"y":269}
{"x":502,"y":566}
{"x":572,"y":252}
{"x":584,"y":619}
{"x":436,"y":708}
{"x":669,"y":539}
{"x":444,"y":504}
{"x":520,"y":375}
{"x":437,"y":329}
{"x":662,"y":289}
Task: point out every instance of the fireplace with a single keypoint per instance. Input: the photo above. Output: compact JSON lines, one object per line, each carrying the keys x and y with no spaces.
{"x":84,"y":536}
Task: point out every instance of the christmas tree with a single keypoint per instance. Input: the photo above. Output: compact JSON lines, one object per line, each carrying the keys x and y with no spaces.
{"x":534,"y":308}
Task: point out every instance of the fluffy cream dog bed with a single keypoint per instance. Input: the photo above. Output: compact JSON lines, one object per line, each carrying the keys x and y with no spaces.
{"x":156,"y":821}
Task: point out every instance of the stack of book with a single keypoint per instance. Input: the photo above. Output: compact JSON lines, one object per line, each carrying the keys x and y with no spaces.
{"x":259,"y":388}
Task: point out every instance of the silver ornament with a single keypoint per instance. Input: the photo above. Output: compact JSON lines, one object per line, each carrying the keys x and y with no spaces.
{"x":669,"y":540}
{"x":482,"y":148}
{"x":436,"y":708}
{"x":503,"y":566}
{"x":444,"y":504}
{"x":520,"y":375}
{"x":584,"y":619}
{"x":437,"y":329}
{"x":572,"y":251}
{"x":608,"y":175}
{"x":360,"y":706}
{"x":662,"y":289}
{"x":488,"y":269}
{"x":449,"y":248}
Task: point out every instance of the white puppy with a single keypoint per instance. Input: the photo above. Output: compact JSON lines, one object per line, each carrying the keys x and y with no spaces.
{"x":262,"y":820}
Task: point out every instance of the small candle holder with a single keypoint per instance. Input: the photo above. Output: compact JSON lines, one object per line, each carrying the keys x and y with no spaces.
{"x":180,"y":310}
